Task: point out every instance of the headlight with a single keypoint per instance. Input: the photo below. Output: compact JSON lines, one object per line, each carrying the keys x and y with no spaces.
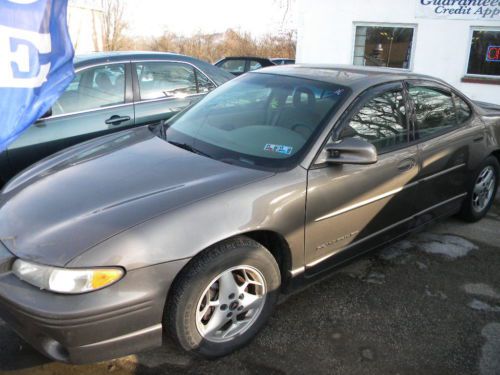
{"x":66,"y":280}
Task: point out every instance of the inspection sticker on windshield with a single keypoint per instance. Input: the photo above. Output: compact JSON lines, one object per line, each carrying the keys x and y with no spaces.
{"x":280,"y":149}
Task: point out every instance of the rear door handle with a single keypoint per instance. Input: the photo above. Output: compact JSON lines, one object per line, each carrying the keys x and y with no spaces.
{"x":478,"y":139}
{"x":116,"y":120}
{"x":406,"y":164}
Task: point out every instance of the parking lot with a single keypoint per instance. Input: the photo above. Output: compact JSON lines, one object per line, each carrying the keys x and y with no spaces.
{"x":429,"y":304}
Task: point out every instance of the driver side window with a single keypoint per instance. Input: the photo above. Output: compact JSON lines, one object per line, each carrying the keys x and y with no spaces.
{"x":381,"y":121}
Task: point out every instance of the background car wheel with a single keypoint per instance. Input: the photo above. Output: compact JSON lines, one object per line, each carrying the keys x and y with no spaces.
{"x":223,"y":298}
{"x":482,"y":193}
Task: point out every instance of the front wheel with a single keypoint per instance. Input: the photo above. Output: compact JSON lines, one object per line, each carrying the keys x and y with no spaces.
{"x":220,"y":302}
{"x":482,"y":193}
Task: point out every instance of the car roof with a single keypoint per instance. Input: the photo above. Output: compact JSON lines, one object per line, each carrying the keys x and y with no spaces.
{"x":355,"y":77}
{"x":218,"y":75}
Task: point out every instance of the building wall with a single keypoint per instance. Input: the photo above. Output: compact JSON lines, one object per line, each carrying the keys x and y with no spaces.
{"x":85,"y":25}
{"x":326,"y":35}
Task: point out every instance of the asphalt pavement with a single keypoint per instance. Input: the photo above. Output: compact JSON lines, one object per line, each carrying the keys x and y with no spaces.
{"x":429,"y":304}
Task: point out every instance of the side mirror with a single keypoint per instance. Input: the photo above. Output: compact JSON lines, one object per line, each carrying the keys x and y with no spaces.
{"x":47,"y":114}
{"x":351,"y":151}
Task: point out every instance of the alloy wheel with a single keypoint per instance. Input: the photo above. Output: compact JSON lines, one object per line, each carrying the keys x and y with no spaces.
{"x":483,"y":189}
{"x":231,"y":303}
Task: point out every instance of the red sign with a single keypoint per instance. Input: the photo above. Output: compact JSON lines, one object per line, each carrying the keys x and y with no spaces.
{"x":493,"y":54}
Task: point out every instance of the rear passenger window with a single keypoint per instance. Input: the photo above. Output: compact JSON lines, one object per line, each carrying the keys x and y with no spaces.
{"x":381,"y":121}
{"x":234,"y":66}
{"x":254,"y":65}
{"x":165,"y":80}
{"x":434,"y":111}
{"x":463,"y":110}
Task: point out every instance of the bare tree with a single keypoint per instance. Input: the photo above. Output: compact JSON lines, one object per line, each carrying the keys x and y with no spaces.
{"x":113,"y":25}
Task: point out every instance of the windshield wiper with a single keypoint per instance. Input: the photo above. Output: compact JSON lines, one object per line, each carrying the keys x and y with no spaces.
{"x":189,"y":148}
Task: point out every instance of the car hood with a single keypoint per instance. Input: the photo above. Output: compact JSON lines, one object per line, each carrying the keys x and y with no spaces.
{"x":68,"y":203}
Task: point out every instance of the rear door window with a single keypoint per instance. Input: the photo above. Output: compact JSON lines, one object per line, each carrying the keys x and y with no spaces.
{"x":165,"y":80}
{"x":254,"y":65}
{"x":434,"y":111}
{"x":234,"y":66}
{"x":463,"y":110}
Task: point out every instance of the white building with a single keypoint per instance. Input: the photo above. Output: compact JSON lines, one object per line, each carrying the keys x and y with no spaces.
{"x":85,"y":25}
{"x":456,"y":40}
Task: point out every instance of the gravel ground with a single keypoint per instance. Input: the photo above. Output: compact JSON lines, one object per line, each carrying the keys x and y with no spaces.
{"x":429,"y":304}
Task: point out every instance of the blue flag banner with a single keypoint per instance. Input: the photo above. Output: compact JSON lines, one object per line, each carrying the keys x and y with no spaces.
{"x":36,"y":62}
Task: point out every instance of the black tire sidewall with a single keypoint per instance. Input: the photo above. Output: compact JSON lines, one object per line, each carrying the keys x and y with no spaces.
{"x":197,"y":279}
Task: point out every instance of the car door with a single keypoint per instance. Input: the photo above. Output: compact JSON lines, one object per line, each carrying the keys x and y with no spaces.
{"x":449,"y":143}
{"x":164,"y":88}
{"x":97,"y":102}
{"x":350,"y":205}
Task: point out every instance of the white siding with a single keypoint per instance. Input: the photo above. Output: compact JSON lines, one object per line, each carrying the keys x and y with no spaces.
{"x":326,"y":35}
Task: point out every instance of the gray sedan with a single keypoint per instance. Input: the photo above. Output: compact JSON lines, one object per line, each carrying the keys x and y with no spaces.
{"x":111,"y":92}
{"x":193,"y":228}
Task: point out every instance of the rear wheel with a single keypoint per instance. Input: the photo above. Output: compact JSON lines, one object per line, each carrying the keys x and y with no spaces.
{"x":482,"y":193}
{"x":223,"y":298}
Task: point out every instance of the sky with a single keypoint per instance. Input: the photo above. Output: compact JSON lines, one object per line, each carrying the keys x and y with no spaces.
{"x":187,"y":17}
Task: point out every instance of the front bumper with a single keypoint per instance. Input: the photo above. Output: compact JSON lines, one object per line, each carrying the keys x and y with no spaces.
{"x":122,"y":319}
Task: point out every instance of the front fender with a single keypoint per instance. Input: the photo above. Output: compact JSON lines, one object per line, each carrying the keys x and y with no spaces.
{"x":275,"y":204}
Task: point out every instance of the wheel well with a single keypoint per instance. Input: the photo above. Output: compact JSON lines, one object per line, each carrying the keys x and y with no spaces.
{"x":278,"y":246}
{"x":497,"y":155}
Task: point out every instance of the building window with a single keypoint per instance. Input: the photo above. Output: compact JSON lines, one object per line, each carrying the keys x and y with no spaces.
{"x":383,"y":46}
{"x":484,"y":56}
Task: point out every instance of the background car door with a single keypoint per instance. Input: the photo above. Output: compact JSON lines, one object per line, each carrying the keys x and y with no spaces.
{"x":165,"y":88}
{"x":97,"y":102}
{"x":449,"y":142}
{"x":351,"y":204}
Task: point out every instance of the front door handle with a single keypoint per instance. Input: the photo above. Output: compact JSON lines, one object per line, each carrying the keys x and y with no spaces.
{"x":116,"y":120}
{"x":406,"y":164}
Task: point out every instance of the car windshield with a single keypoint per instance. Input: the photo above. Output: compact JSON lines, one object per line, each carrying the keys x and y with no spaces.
{"x":259,"y":120}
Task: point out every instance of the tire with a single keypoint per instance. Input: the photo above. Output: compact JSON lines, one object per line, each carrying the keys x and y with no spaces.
{"x":471,"y":210}
{"x":190,"y":320}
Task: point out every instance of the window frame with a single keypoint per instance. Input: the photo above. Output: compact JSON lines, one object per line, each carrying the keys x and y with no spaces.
{"x":135,"y":79}
{"x":413,"y":26}
{"x":495,"y":78}
{"x":128,"y":96}
{"x":360,"y":102}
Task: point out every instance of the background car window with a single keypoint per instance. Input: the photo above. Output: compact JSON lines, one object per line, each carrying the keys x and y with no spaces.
{"x":165,"y":80}
{"x":93,"y":88}
{"x":463,"y":110}
{"x":204,"y":84}
{"x":381,"y":121}
{"x":234,"y":66}
{"x":434,"y":111}
{"x":254,"y":65}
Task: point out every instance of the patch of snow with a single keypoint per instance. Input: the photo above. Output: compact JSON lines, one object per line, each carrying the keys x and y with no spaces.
{"x":437,"y":294}
{"x":395,"y":250}
{"x":483,"y":306}
{"x":421,"y":265}
{"x":480,"y":289}
{"x":489,"y":364}
{"x":443,"y":244}
{"x":375,"y":278}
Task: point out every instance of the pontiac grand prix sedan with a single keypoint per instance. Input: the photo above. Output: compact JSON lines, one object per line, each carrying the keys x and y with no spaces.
{"x":192,"y":228}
